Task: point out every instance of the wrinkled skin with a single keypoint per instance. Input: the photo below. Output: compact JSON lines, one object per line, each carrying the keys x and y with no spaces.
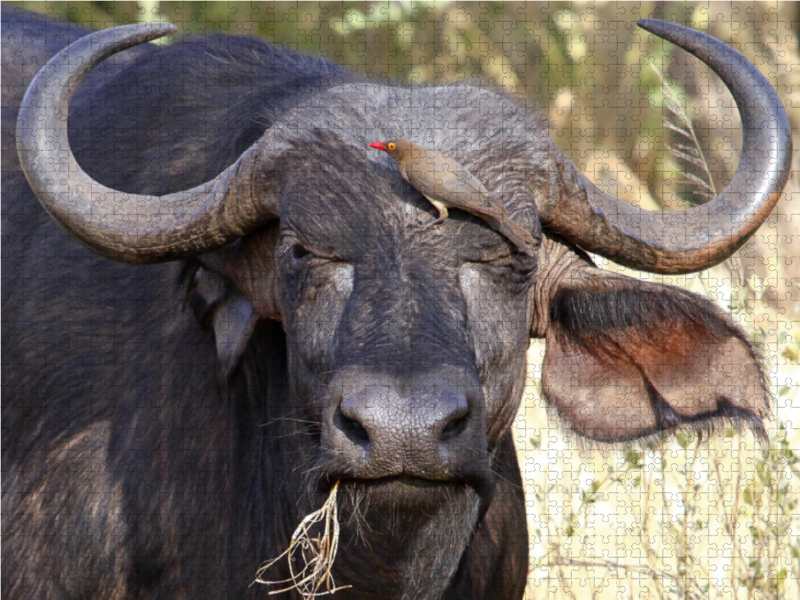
{"x":357,"y":286}
{"x":166,"y":427}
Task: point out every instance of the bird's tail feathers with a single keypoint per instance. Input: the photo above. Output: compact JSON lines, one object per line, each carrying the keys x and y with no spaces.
{"x":514,"y":232}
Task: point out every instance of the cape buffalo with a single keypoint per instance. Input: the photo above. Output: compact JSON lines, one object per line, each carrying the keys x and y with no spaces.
{"x":258,"y":315}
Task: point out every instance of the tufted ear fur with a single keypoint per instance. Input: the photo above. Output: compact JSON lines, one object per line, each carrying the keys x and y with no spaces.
{"x":627,"y":359}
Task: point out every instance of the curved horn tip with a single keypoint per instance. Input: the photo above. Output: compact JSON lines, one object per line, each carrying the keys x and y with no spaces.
{"x":648,"y":22}
{"x":164,"y":26}
{"x":656,"y":25}
{"x":136,"y":33}
{"x":158,"y":29}
{"x":663,"y":29}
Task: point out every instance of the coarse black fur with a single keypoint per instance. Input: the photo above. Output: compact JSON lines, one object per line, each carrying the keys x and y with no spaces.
{"x":584,"y":312}
{"x":166,"y":427}
{"x":191,"y":481}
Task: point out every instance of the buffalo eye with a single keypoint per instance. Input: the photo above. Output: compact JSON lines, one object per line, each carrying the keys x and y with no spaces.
{"x":291,"y":248}
{"x":299,"y":252}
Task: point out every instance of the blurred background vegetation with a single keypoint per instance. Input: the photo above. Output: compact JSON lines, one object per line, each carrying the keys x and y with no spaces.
{"x":676,"y":518}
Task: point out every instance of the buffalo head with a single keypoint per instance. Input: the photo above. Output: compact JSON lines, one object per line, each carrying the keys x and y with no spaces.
{"x":405,"y":347}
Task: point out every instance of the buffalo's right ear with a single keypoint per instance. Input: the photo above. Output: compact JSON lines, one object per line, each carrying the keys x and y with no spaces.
{"x":627,"y":359}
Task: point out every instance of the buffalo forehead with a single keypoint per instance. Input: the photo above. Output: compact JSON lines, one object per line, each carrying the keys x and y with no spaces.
{"x":349,"y":194}
{"x":455,"y":118}
{"x":372,"y":210}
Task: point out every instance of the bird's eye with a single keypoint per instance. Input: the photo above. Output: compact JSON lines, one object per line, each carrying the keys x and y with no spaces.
{"x":392,"y":146}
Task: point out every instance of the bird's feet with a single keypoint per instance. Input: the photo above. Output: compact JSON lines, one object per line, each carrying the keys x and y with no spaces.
{"x":438,"y":221}
{"x":423,"y":226}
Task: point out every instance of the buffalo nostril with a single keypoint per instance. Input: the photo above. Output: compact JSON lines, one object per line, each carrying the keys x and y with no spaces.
{"x":457,"y":419}
{"x":352,"y":429}
{"x":454,"y":428}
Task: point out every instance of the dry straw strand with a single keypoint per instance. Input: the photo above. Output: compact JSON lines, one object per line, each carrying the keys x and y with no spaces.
{"x":315,"y":554}
{"x":688,"y":151}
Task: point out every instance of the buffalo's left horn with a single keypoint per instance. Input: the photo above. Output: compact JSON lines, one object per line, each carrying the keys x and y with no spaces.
{"x":683,"y":241}
{"x":127,"y":227}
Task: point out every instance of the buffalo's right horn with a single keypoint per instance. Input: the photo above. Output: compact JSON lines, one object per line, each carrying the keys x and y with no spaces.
{"x":683,"y":241}
{"x":127,"y":227}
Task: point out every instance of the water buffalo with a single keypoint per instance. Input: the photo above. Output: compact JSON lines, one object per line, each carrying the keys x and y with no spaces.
{"x":259,"y":315}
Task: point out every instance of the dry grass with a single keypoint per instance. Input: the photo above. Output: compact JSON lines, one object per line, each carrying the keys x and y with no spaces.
{"x":310,"y":557}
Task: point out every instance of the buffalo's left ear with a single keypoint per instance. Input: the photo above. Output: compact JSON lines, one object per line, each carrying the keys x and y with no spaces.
{"x":233,"y":288}
{"x":627,"y":359}
{"x":218,"y":305}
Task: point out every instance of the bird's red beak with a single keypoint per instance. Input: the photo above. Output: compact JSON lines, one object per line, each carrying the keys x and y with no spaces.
{"x":378,"y":146}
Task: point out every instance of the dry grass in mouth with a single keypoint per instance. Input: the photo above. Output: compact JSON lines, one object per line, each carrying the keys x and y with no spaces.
{"x":314,"y":554}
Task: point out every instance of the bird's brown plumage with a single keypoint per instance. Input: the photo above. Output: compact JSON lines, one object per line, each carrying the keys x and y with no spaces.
{"x":448,"y":184}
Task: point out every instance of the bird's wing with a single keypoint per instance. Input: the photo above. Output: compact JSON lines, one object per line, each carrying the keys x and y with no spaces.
{"x":449,"y":182}
{"x":442,"y":179}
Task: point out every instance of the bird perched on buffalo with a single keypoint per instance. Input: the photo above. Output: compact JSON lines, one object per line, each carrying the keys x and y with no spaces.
{"x":448,"y":184}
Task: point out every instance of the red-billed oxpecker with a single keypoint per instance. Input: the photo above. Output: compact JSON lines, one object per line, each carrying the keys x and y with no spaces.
{"x":447,"y":184}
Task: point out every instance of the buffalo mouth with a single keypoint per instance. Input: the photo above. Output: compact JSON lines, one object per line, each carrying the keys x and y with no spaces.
{"x":411,"y":532}
{"x":407,"y":493}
